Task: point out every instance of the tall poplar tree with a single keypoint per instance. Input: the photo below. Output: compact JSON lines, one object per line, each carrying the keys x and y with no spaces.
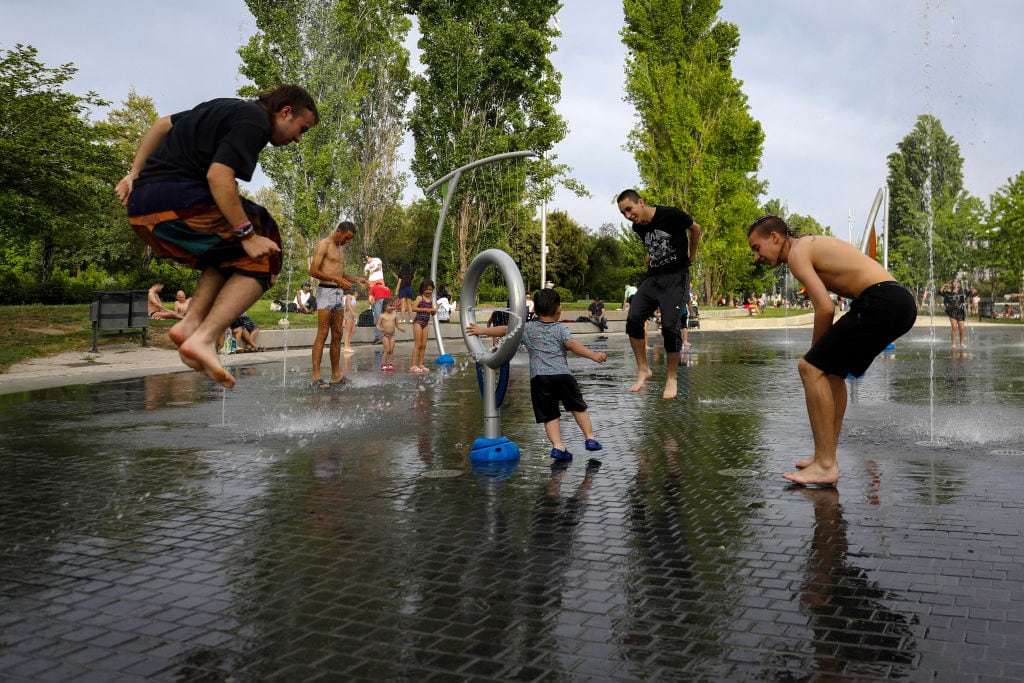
{"x":931,"y":217}
{"x":695,"y":144}
{"x":488,"y":88}
{"x":349,"y":55}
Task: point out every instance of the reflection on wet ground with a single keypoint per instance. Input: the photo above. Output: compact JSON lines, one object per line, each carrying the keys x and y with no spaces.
{"x":164,"y":529}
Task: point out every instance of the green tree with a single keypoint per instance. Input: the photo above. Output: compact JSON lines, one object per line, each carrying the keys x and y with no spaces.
{"x":1006,"y":231}
{"x":695,"y":143}
{"x":929,"y":212}
{"x":56,"y":175}
{"x":349,"y":55}
{"x":524,"y":248}
{"x":606,"y":276}
{"x":408,"y":237}
{"x":115,"y":248}
{"x":567,"y":253}
{"x":488,"y":88}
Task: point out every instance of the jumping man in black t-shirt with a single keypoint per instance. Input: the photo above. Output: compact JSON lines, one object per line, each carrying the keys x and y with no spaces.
{"x":671,"y":238}
{"x":182,"y":198}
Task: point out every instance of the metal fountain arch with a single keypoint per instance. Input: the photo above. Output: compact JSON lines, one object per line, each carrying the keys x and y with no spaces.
{"x":448,"y":185}
{"x":492,"y":447}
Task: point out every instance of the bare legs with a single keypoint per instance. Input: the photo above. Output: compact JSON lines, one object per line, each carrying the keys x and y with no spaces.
{"x":553,"y":429}
{"x":328,"y":321}
{"x":350,"y":330}
{"x":419,"y":348}
{"x":215,"y":305}
{"x":957,"y":329}
{"x":826,"y":406}
{"x":672,"y":360}
{"x":643,"y":368}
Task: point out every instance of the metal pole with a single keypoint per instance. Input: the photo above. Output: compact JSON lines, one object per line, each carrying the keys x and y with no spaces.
{"x":543,"y":240}
{"x":885,"y":232}
{"x":543,"y":244}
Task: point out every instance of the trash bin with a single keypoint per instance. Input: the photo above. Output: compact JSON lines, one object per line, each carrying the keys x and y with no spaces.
{"x":124,"y":312}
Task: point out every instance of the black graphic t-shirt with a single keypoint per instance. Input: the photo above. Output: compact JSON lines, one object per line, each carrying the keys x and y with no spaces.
{"x":225,"y":130}
{"x":666,"y":240}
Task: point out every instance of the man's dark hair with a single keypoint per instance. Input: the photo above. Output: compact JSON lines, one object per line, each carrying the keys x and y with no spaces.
{"x":765,"y":225}
{"x":346,"y":226}
{"x":628,"y":194}
{"x":293,"y":96}
{"x":546,"y":302}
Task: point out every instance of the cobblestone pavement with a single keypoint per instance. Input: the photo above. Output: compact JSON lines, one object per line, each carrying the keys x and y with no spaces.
{"x":160,"y":528}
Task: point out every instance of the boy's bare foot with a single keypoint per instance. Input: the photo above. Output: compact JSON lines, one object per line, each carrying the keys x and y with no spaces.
{"x":641,"y":378}
{"x":806,"y":462}
{"x":670,"y":388}
{"x":335,"y":380}
{"x":815,"y":474}
{"x":201,"y":357}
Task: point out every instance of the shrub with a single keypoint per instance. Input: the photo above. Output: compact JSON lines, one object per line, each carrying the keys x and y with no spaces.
{"x":567,"y":297}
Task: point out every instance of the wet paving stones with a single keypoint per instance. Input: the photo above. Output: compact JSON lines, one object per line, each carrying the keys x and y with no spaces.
{"x":163,"y":529}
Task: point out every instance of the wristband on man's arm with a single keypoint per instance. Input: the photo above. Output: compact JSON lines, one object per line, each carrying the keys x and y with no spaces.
{"x":244,"y":231}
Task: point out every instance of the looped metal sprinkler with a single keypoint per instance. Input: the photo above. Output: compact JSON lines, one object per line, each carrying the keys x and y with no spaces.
{"x":493,"y":364}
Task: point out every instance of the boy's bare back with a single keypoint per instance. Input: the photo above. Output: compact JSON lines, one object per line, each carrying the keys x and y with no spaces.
{"x":839,"y":265}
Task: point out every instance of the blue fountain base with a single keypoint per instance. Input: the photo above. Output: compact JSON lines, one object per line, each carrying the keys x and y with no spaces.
{"x":445,"y":359}
{"x":494,"y":450}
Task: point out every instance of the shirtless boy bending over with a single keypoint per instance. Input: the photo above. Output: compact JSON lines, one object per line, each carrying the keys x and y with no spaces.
{"x":881,"y":311}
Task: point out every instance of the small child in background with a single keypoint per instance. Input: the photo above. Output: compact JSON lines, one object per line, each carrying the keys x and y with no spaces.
{"x":551,"y":381}
{"x":387,"y":323}
{"x":498,"y":319}
{"x":423,"y":307}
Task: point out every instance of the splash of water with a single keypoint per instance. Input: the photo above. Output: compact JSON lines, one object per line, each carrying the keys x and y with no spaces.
{"x":288,"y":258}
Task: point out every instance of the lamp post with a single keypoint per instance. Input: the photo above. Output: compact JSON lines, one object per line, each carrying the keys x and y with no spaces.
{"x":543,"y":236}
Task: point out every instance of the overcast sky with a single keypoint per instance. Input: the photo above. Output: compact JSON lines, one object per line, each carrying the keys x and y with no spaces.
{"x":836,"y":85}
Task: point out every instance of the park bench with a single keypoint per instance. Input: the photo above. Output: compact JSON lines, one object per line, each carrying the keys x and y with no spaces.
{"x":123,"y":312}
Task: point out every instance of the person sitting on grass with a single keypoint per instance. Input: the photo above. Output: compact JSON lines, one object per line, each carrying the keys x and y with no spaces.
{"x":547,"y":340}
{"x":245,"y":330}
{"x":181,"y":303}
{"x":156,"y":308}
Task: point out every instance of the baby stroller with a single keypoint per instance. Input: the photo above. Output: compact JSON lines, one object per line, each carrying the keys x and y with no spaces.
{"x":693,"y":317}
{"x":444,"y":309}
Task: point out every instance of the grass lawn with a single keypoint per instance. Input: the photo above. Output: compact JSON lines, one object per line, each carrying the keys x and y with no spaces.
{"x":34,"y":331}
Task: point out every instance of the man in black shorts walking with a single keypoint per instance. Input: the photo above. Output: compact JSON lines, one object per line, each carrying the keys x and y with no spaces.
{"x":882,"y":310}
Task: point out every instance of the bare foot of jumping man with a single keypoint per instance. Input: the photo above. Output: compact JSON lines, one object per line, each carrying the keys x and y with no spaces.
{"x":202,"y":358}
{"x":178,"y":334}
{"x":641,"y":378}
{"x":815,"y":474}
{"x":181,"y":331}
{"x":670,"y":388}
{"x":806,"y":462}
